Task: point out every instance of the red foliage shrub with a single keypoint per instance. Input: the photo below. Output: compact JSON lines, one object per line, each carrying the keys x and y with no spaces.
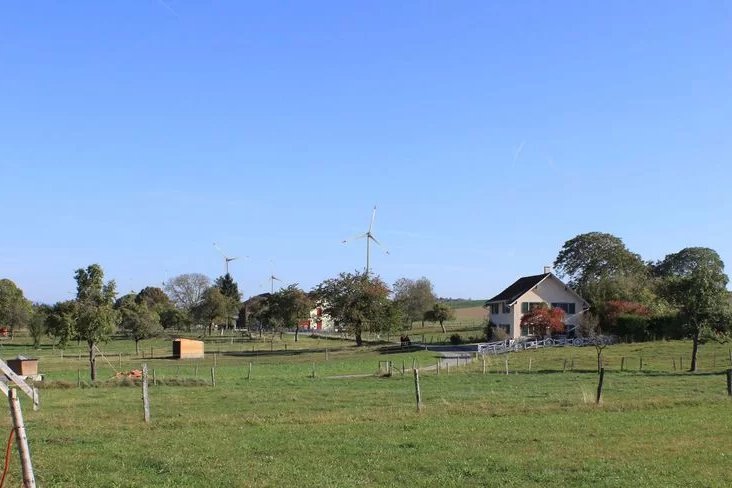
{"x":543,"y":319}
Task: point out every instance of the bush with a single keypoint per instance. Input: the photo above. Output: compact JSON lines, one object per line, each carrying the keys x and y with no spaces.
{"x":456,"y":339}
{"x":666,"y":327}
{"x":493,"y":333}
{"x":633,"y":327}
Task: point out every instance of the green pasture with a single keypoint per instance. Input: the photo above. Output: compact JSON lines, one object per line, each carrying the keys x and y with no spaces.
{"x":283,"y":427}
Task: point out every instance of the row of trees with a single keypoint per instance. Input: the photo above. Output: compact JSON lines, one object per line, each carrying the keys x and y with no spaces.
{"x":683,"y":295}
{"x":356,"y":301}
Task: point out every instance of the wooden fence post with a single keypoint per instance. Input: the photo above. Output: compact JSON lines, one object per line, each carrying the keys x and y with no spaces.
{"x":403,"y":368}
{"x":622,"y":363}
{"x":438,"y":367}
{"x":506,"y":360}
{"x":417,"y":390}
{"x":21,"y":439}
{"x":681,"y":363}
{"x":564,"y":366}
{"x":326,"y":353}
{"x":213,"y":376}
{"x":249,"y":374}
{"x":312,"y":374}
{"x":145,"y":395}
{"x":155,"y":379}
{"x":484,"y":364}
{"x":530,"y":364}
{"x":640,"y":365}
{"x":195,"y":372}
{"x":598,"y":399}
{"x":729,"y":382}
{"x":78,"y":378}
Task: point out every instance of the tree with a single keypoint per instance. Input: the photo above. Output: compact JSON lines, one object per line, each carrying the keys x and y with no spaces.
{"x":187,"y":290}
{"x":153,"y":298}
{"x":37,"y":323}
{"x":228,"y":287}
{"x":694,"y":281}
{"x":543,"y":320}
{"x":287,"y":306}
{"x":414,"y":298}
{"x":356,"y":301}
{"x":96,"y":318}
{"x":139,"y":322}
{"x":175,"y":318}
{"x":60,"y":322}
{"x":601,"y":268}
{"x":439,"y":313}
{"x":212,"y":307}
{"x":15,"y":309}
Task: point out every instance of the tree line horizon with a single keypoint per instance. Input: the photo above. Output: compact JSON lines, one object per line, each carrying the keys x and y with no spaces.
{"x":683,"y":295}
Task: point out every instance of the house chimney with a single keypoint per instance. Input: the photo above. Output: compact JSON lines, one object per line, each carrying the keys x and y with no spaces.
{"x":547,"y":269}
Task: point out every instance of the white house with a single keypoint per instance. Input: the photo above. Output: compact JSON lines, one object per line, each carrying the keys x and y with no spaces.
{"x":318,"y":320}
{"x":506,"y":309}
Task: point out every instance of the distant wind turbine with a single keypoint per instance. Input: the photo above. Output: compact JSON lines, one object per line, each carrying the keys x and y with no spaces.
{"x":369,"y":236}
{"x":272,"y":277}
{"x":227,"y":259}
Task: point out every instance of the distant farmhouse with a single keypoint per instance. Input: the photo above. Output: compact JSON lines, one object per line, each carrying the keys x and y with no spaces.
{"x":318,"y":320}
{"x":506,"y":309}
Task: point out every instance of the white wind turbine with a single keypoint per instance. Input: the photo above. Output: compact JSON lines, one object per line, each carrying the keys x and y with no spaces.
{"x":369,"y":236}
{"x":227,"y":259}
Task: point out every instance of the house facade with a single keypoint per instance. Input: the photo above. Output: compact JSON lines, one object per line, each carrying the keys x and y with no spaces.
{"x":506,"y":309}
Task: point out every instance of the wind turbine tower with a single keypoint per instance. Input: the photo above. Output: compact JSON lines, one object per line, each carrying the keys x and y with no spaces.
{"x":369,"y":236}
{"x":227,"y":259}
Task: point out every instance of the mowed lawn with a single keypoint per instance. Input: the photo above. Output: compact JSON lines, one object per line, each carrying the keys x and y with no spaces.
{"x":282,"y":427}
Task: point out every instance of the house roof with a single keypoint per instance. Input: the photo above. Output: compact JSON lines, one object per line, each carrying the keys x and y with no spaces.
{"x":518,"y":288}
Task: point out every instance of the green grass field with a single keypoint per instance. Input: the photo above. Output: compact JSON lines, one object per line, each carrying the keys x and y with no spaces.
{"x":282,"y":427}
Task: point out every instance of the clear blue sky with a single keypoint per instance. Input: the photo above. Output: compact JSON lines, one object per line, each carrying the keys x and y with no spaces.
{"x":135,"y":134}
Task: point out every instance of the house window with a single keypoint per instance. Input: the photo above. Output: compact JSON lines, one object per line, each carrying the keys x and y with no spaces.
{"x":494,"y":308}
{"x":527,"y":307}
{"x":506,"y":308}
{"x":569,"y":308}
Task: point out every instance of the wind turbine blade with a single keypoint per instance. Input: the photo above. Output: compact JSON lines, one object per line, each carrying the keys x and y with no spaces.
{"x":374,"y":239}
{"x":219,"y":249}
{"x":231,"y":259}
{"x":373,"y":216}
{"x":356,"y":237}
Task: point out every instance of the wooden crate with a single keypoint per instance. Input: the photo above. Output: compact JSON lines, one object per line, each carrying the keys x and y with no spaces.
{"x":187,"y":349}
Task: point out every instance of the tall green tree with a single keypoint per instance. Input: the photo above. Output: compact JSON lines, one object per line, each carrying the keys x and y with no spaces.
{"x":175,"y":318}
{"x":212,"y":307}
{"x":414,"y":298}
{"x":230,"y":290}
{"x":153,"y":298}
{"x":139,"y":323}
{"x":287,"y":306}
{"x":601,"y":268}
{"x":96,"y":318}
{"x":15,"y":309}
{"x":694,"y":280}
{"x":358,"y":302}
{"x":60,"y":322}
{"x":37,"y":323}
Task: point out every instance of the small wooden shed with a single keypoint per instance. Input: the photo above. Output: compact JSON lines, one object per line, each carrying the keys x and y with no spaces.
{"x":187,"y":349}
{"x":23,"y":366}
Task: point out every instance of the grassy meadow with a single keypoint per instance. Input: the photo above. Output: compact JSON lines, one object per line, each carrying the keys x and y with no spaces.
{"x":348,"y":426}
